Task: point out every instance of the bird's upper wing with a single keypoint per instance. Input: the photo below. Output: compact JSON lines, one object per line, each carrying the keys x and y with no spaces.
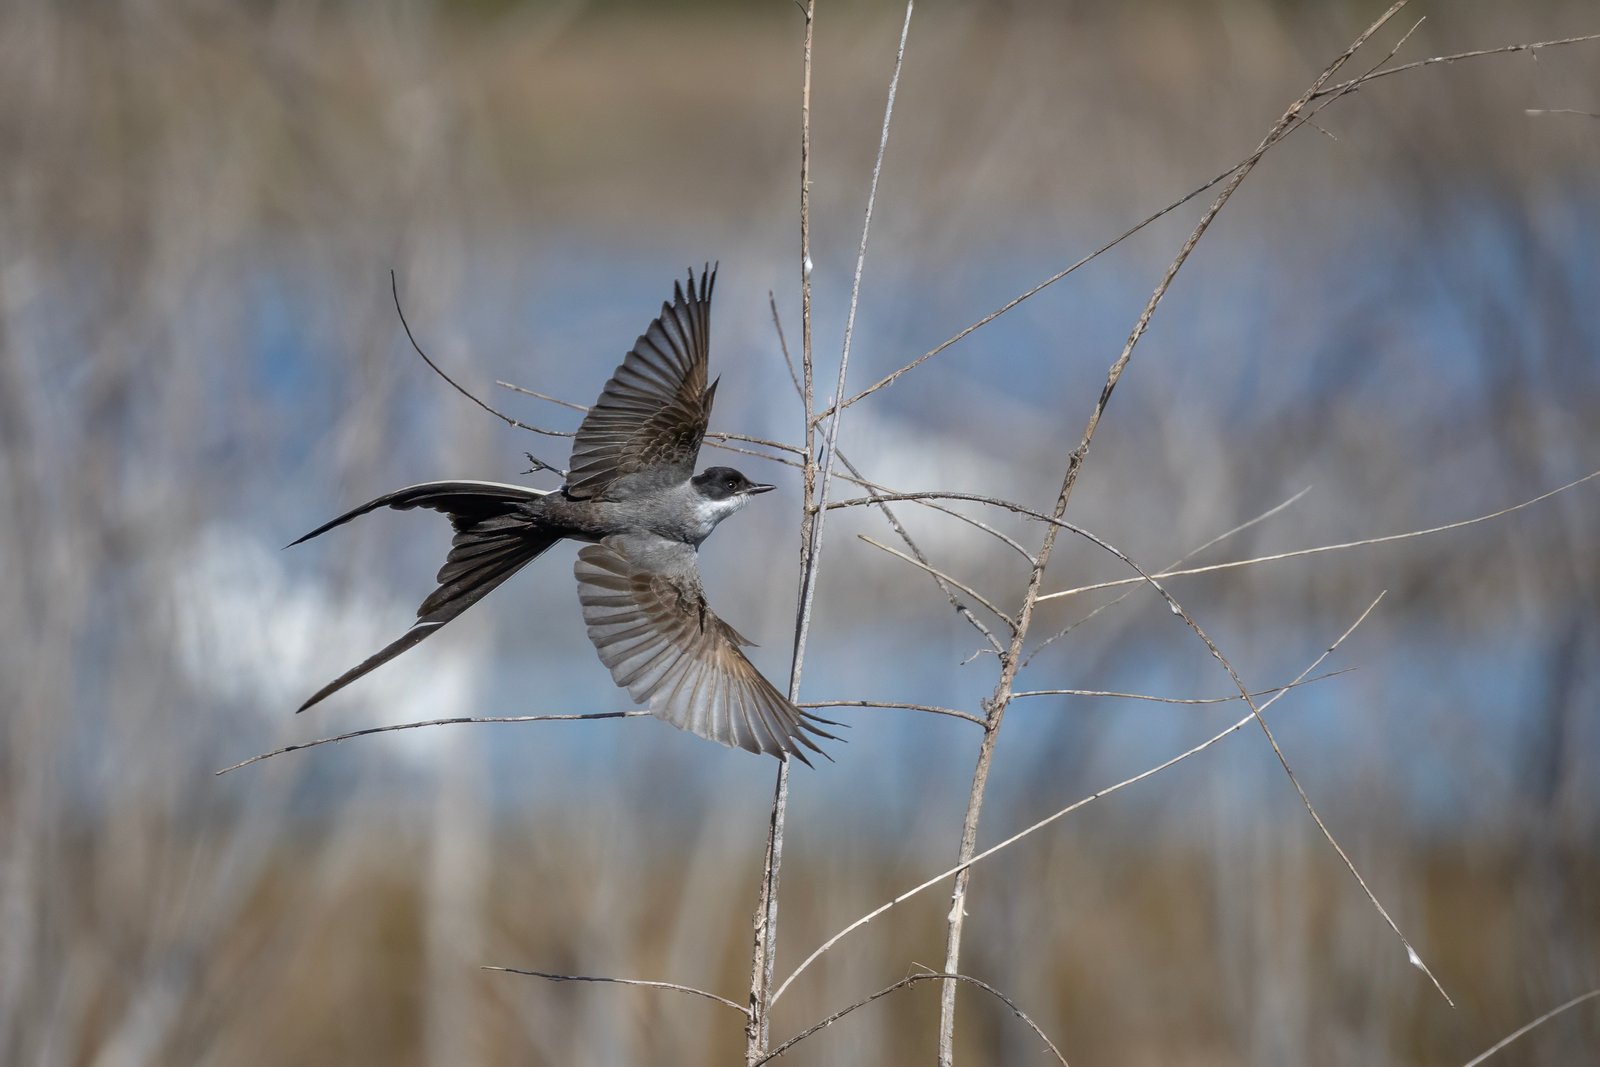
{"x":646,"y":428}
{"x":647,"y":616}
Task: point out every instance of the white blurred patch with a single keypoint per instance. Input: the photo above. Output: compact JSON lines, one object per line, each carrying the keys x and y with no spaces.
{"x":256,"y":632}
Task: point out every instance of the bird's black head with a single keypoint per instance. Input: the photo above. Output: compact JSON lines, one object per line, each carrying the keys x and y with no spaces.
{"x":725,"y":483}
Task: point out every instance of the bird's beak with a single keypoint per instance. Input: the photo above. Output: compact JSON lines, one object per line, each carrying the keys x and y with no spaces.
{"x":757,"y":487}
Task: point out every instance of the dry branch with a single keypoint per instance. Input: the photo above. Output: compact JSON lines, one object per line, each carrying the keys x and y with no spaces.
{"x":673,"y":986}
{"x":462,"y":721}
{"x":910,"y":980}
{"x":1069,"y":809}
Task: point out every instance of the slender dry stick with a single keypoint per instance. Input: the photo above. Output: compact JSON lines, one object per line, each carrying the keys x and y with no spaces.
{"x":931,"y":708}
{"x":943,"y":578}
{"x":1338,"y":90}
{"x":1305,"y":800}
{"x":1069,"y":809}
{"x":370,"y":730}
{"x":1112,"y":694}
{"x":856,"y":478}
{"x":1186,"y":557}
{"x":674,"y":986}
{"x":1324,"y":94}
{"x":1532,"y":46}
{"x":763,"y":955}
{"x":935,"y":709}
{"x":1056,"y":523}
{"x":902,"y":984}
{"x":758,"y":1033}
{"x":1011,"y":661}
{"x":924,"y":498}
{"x":582,"y":409}
{"x":1540,"y":1021}
{"x":921,"y":560}
{"x":1326,"y":548}
{"x":394,"y":291}
{"x":831,"y":445}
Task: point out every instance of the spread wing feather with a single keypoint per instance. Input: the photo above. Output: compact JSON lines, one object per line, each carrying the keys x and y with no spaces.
{"x":665,"y":646}
{"x":646,"y":428}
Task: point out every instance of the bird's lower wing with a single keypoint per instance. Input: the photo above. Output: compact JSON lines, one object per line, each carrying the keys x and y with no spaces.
{"x":661,"y":643}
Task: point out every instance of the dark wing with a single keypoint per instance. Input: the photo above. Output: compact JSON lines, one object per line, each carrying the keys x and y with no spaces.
{"x":495,"y":537}
{"x":662,"y":644}
{"x":646,"y":428}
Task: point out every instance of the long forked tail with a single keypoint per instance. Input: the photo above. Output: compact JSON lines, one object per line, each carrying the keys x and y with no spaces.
{"x":496,"y":536}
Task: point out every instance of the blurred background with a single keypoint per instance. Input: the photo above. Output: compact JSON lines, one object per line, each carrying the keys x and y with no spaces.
{"x":200,"y":204}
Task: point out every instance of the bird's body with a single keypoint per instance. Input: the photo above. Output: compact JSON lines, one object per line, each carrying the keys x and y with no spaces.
{"x":633,"y":497}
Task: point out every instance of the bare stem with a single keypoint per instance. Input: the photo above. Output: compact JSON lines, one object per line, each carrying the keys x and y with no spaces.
{"x":1011,"y":660}
{"x":1327,"y":548}
{"x":903,"y":983}
{"x":394,"y":291}
{"x":1186,"y":557}
{"x":674,"y":986}
{"x":1373,"y":75}
{"x":763,"y":956}
{"x":429,"y":722}
{"x":1540,"y":1021}
{"x":932,"y":709}
{"x":1149,"y":772}
{"x":757,"y":1034}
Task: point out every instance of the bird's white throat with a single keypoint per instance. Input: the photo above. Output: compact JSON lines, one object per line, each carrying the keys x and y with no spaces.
{"x":708,"y":512}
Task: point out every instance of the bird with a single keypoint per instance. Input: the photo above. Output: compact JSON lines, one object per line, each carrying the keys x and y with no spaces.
{"x":632,"y":497}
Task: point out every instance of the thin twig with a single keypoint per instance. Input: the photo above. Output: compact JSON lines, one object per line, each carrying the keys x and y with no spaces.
{"x":902,"y":984}
{"x":1540,"y":1021}
{"x":962,"y":335}
{"x":938,"y":494}
{"x":1042,"y":823}
{"x":580,"y":408}
{"x":921,"y":559}
{"x":758,"y":1033}
{"x":1058,"y":635}
{"x":1210,"y":568}
{"x":1305,"y":799}
{"x":1534,"y":46}
{"x":725,"y":447}
{"x":783,"y":346}
{"x":1170,"y":700}
{"x":857,"y":478}
{"x":977,"y":524}
{"x":932,"y":708}
{"x":674,"y":986}
{"x":943,"y":577}
{"x":465,"y":720}
{"x":763,"y":956}
{"x":882,"y":494}
{"x":818,"y":526}
{"x":997,"y":703}
{"x":394,"y":290}
{"x":778,"y":446}
{"x":1011,"y":661}
{"x":891,"y":378}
